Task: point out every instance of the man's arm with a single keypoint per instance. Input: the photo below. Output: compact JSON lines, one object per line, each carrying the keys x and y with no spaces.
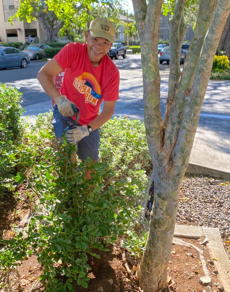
{"x":46,"y":78}
{"x":75,"y":135}
{"x":105,"y":115}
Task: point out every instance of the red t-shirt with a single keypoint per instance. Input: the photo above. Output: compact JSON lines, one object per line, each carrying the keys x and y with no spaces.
{"x":85,"y":85}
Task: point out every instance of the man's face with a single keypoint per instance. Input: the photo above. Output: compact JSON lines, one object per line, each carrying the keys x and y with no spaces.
{"x":97,"y":48}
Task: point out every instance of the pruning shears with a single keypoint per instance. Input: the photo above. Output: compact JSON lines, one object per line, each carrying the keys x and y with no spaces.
{"x":72,"y":123}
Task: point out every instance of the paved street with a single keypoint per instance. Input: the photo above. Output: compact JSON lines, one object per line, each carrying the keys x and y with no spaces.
{"x":213,"y":135}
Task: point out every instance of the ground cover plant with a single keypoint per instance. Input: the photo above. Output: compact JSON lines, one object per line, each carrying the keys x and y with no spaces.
{"x":72,"y":218}
{"x":220,"y":68}
{"x":10,"y":132}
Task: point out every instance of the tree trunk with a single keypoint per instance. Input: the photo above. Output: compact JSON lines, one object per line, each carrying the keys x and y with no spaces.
{"x":153,"y":274}
{"x":170,"y":140}
{"x":50,"y":25}
{"x":224,"y":44}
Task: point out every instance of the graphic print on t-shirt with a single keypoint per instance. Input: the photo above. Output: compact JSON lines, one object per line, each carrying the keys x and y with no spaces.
{"x":88,"y":85}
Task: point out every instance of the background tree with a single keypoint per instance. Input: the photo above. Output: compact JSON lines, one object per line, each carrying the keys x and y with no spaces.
{"x":67,"y":18}
{"x":38,"y":10}
{"x":170,"y":136}
{"x":130,"y":30}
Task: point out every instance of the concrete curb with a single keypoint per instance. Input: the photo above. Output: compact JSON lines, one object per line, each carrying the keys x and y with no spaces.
{"x":215,"y":247}
{"x":203,"y":170}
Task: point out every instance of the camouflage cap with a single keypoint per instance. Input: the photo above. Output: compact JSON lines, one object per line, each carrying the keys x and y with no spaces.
{"x":102,"y":28}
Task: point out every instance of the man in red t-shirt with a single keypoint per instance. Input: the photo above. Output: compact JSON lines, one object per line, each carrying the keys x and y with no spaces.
{"x":90,"y":78}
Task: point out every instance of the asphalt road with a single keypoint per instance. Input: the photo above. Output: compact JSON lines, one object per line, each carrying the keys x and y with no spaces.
{"x":216,"y":104}
{"x":213,"y":133}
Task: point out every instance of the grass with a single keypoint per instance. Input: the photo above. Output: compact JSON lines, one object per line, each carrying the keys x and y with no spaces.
{"x":220,"y":75}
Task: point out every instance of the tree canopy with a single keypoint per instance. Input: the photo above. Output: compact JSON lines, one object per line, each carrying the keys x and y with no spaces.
{"x":68,"y":16}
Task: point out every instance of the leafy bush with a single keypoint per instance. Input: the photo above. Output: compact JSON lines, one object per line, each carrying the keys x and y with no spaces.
{"x":135,"y":49}
{"x":17,"y":45}
{"x":220,"y":63}
{"x":220,"y":75}
{"x":51,"y":52}
{"x":10,"y":130}
{"x":57,"y":44}
{"x":163,"y":42}
{"x":55,"y":48}
{"x":123,"y":146}
{"x":75,"y":217}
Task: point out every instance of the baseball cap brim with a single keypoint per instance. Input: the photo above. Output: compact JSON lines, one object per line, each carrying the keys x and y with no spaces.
{"x":99,"y":34}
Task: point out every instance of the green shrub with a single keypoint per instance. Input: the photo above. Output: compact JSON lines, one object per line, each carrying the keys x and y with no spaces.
{"x":163,"y":42}
{"x":75,"y":217}
{"x":123,"y":146}
{"x":51,"y":52}
{"x":17,"y":45}
{"x":220,"y":75}
{"x":135,"y":49}
{"x":220,"y":63}
{"x":57,"y":44}
{"x":10,"y":130}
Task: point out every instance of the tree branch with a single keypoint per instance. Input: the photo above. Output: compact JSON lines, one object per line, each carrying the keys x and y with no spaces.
{"x":176,"y":38}
{"x":203,"y":70}
{"x":205,"y":14}
{"x":151,"y":77}
{"x":140,"y":8}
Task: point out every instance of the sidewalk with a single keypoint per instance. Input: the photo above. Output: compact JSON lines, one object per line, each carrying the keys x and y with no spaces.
{"x":211,"y":147}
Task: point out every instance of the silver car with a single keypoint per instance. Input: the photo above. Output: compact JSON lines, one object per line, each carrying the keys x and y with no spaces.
{"x":164,"y":56}
{"x":11,"y":57}
{"x":36,"y":51}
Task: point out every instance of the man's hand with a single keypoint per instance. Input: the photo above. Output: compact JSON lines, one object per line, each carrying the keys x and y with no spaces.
{"x":65,"y":107}
{"x":77,"y":134}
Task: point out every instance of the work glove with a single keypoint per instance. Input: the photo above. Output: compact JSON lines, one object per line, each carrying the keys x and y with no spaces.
{"x":65,"y":107}
{"x":77,"y":133}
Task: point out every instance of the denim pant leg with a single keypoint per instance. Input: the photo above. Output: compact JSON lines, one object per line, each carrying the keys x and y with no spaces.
{"x":59,"y":123}
{"x":87,"y":147}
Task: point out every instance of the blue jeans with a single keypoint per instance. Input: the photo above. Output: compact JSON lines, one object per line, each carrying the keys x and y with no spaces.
{"x":88,"y":147}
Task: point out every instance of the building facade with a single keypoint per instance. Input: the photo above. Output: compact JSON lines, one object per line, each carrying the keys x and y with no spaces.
{"x":165,"y":30}
{"x":18,"y":31}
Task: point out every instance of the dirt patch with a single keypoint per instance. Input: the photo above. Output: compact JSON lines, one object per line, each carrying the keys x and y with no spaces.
{"x":116,"y":271}
{"x":7,"y":205}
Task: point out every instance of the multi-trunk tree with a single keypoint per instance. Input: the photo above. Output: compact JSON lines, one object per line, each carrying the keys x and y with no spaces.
{"x":170,"y":136}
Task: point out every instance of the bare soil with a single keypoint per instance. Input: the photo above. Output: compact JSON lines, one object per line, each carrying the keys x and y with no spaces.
{"x":116,"y":271}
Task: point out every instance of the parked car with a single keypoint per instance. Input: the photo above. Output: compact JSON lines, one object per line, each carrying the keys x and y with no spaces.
{"x":117,"y":49}
{"x":160,"y":47}
{"x":165,"y":56}
{"x":11,"y":57}
{"x":185,"y":48}
{"x":42,"y":46}
{"x":36,"y":51}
